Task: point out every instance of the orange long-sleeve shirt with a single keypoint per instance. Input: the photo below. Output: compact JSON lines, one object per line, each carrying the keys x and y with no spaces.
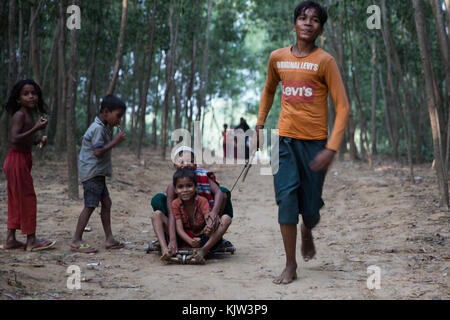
{"x":306,"y":84}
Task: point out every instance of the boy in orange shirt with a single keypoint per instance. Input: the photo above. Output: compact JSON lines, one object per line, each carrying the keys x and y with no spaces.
{"x":308,"y":74}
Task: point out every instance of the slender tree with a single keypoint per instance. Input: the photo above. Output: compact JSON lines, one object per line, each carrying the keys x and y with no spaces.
{"x":120,"y":46}
{"x":431,"y":100}
{"x":72,"y":164}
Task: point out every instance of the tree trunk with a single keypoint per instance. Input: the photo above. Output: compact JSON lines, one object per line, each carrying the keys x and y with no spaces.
{"x":72,"y":165}
{"x":91,"y":112}
{"x":20,"y":66}
{"x":388,"y":119}
{"x":136,"y":76}
{"x":34,"y":43}
{"x":60,"y":139}
{"x":189,"y":107}
{"x":53,"y":112}
{"x":204,"y":75}
{"x":156,"y":103}
{"x":373,"y":79}
{"x":445,"y":51}
{"x":12,"y":77}
{"x":390,"y":48}
{"x":120,"y":43}
{"x":335,"y":34}
{"x":143,"y":98}
{"x":52,"y":58}
{"x":169,"y":73}
{"x":431,"y":100}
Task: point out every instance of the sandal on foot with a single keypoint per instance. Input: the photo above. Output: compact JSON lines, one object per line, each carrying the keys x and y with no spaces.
{"x":83,"y":248}
{"x":117,"y":245}
{"x":43,"y":244}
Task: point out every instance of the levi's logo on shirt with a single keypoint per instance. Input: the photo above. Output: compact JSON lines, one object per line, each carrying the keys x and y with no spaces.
{"x":298,"y":91}
{"x":297,"y":65}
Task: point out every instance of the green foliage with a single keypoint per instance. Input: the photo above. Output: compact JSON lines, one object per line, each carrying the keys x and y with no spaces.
{"x":242,"y":35}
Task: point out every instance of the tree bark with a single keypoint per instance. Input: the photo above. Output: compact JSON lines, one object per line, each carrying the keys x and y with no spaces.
{"x":156,"y":109}
{"x":51,"y":59}
{"x":431,"y":100}
{"x":143,"y":96}
{"x":204,"y":75}
{"x":169,"y":73}
{"x":120,"y":43}
{"x":12,"y":76}
{"x":445,"y":51}
{"x":373,"y":80}
{"x":334,"y":32}
{"x":34,"y":43}
{"x":189,"y":107}
{"x":60,"y":139}
{"x":72,"y":165}
{"x":92,"y":111}
{"x":20,"y":66}
{"x":390,"y":49}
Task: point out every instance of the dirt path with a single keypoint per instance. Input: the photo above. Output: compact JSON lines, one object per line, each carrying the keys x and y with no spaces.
{"x":371,"y":217}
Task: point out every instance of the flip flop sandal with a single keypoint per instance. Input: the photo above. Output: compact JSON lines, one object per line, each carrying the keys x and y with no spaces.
{"x":118,"y":245}
{"x":83,"y":248}
{"x":49,"y":244}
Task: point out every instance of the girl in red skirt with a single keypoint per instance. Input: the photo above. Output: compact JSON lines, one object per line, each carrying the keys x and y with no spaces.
{"x":24,"y":100}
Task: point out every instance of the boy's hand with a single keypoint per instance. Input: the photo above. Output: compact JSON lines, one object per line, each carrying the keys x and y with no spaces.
{"x":120,"y":137}
{"x":195,"y":242}
{"x":322,"y":160}
{"x":40,"y":124}
{"x":257,"y":140}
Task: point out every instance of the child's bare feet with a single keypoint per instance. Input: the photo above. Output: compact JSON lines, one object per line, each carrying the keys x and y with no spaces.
{"x":308,"y":249}
{"x":13,"y":244}
{"x":288,"y":275}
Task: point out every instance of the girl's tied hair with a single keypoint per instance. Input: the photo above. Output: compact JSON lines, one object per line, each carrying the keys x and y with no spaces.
{"x":12,"y":106}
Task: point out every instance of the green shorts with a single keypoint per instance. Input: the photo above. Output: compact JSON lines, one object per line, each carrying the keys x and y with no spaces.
{"x":298,"y":189}
{"x":159,"y":202}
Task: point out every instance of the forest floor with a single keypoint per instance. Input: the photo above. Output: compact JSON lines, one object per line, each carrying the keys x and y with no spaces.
{"x":370,"y":218}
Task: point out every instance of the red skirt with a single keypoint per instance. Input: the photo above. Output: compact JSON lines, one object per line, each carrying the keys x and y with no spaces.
{"x":21,"y":196}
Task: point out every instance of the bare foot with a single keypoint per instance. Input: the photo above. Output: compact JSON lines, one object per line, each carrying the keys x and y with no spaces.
{"x":308,"y":249}
{"x":13,"y":244}
{"x":288,"y":275}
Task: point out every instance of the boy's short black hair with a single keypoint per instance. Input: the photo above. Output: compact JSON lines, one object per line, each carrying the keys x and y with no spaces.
{"x":184,"y":173}
{"x":111,"y":102}
{"x":321,"y":11}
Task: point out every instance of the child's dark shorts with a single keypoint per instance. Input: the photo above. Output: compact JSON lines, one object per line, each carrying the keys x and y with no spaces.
{"x":94,"y":191}
{"x":159,"y":202}
{"x":298,"y":189}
